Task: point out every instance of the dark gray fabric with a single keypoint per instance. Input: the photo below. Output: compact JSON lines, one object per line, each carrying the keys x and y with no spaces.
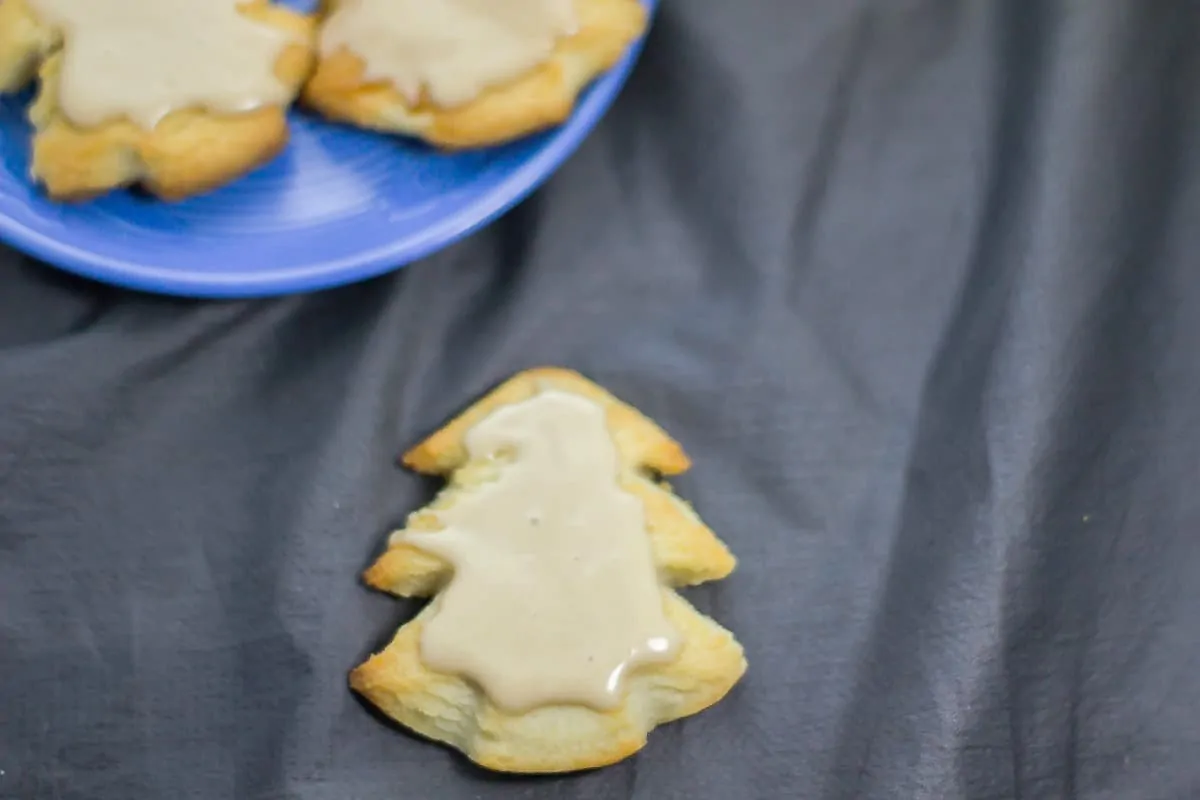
{"x":914,"y":282}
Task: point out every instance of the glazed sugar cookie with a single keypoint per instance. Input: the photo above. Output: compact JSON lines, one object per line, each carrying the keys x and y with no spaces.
{"x":553,"y":641}
{"x":181,"y":96}
{"x":461,"y":73}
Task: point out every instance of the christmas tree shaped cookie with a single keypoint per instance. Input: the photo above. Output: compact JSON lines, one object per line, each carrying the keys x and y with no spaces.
{"x":465,"y":73}
{"x":181,"y":96}
{"x":553,"y":641}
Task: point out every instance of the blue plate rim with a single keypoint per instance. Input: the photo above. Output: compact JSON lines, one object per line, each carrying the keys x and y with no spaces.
{"x":560,"y":145}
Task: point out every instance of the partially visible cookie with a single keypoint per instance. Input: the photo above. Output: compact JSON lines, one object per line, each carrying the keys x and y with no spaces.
{"x":535,"y":586}
{"x":194,"y":145}
{"x":23,"y":45}
{"x":456,"y":44}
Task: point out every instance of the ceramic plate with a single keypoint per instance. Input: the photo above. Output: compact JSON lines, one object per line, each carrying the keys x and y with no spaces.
{"x":340,"y":205}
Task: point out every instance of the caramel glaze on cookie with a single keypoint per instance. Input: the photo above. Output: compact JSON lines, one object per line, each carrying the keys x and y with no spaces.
{"x":89,"y":139}
{"x":472,"y":94}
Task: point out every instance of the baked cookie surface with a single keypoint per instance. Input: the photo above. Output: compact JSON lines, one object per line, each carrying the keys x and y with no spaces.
{"x":468,"y":81}
{"x":233,"y":67}
{"x":546,"y":706}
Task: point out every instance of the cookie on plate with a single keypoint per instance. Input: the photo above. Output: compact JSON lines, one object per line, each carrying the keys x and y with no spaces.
{"x":460,"y":73}
{"x":554,"y":640}
{"x":23,"y":44}
{"x":179,"y":96}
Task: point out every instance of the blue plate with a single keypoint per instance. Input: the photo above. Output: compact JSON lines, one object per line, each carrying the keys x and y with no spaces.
{"x":340,"y":205}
